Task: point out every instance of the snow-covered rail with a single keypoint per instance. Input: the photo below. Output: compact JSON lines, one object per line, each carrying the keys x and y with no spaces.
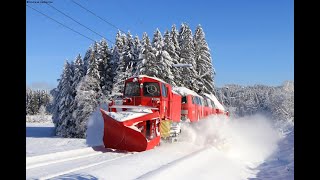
{"x":51,"y":158}
{"x":56,"y":164}
{"x":183,"y":161}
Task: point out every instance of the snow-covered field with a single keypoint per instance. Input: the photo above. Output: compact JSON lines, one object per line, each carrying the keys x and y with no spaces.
{"x":40,"y":140}
{"x":213,"y":149}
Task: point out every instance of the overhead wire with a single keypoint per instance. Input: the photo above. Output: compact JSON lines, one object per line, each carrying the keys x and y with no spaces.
{"x":79,"y":22}
{"x":60,"y":23}
{"x":98,"y":16}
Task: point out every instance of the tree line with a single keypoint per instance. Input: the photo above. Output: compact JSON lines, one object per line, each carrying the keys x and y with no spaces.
{"x":37,"y":101}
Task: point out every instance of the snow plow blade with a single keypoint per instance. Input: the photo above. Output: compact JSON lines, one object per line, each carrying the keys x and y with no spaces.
{"x":121,"y":136}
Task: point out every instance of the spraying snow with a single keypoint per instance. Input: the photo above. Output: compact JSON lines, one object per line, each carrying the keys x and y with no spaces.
{"x":250,"y":138}
{"x":232,"y":148}
{"x":95,"y":127}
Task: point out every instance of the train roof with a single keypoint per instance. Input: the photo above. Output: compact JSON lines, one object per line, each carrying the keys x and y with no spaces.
{"x":183,"y":91}
{"x":142,"y":76}
{"x":215,"y":100}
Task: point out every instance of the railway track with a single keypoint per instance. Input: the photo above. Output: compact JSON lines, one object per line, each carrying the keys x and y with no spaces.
{"x":60,"y":163}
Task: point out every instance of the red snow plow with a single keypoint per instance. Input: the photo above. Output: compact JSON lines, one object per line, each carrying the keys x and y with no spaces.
{"x":137,"y":134}
{"x":149,"y":110}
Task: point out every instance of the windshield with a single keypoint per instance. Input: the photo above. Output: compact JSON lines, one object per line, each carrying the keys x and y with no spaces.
{"x":132,"y":89}
{"x":151,"y":89}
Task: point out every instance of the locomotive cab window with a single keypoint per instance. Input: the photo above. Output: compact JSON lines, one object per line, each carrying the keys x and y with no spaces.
{"x":132,"y":89}
{"x":164,"y":90}
{"x":151,"y":89}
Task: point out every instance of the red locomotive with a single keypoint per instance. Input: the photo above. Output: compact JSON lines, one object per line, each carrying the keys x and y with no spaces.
{"x":152,"y":109}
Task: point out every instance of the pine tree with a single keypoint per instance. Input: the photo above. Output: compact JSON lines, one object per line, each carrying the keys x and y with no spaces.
{"x":189,"y":75}
{"x":93,"y":66}
{"x":78,"y":74}
{"x":163,"y":59}
{"x":170,"y":48}
{"x":148,"y":63}
{"x":86,"y":59}
{"x":128,"y":55}
{"x":62,"y":116}
{"x":79,"y":71}
{"x":28,"y":101}
{"x":174,"y":34}
{"x":103,"y":58}
{"x":203,"y":61}
{"x":136,"y":54}
{"x":89,"y":95}
{"x":118,"y":64}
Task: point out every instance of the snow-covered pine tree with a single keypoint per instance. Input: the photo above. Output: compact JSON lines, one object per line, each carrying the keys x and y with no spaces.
{"x":28,"y":99}
{"x":163,"y":59}
{"x":203,"y":61}
{"x":64,"y":100}
{"x":122,"y":64}
{"x":109,"y":73}
{"x":174,"y":34}
{"x":78,"y":74}
{"x":34,"y":103}
{"x":93,"y":66}
{"x":45,"y":99}
{"x":116,"y":59}
{"x":189,"y":75}
{"x":79,"y":71}
{"x":86,"y":59}
{"x":128,"y":55}
{"x":136,"y":53}
{"x":169,"y":47}
{"x":103,"y":58}
{"x":89,"y":95}
{"x":148,"y":58}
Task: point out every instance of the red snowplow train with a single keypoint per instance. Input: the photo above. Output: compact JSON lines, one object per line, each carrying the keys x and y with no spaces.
{"x":152,"y":109}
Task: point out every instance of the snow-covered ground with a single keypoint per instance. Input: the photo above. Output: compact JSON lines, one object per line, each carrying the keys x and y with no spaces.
{"x":40,"y":140}
{"x":212,"y":149}
{"x":281,"y":164}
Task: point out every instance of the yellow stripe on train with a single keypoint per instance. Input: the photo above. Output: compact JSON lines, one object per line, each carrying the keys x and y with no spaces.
{"x":165,"y":128}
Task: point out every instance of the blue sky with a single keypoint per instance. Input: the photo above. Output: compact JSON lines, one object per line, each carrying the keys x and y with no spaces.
{"x":251,"y":41}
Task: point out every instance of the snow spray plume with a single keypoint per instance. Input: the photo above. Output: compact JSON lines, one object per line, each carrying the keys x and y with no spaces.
{"x":94,"y":134}
{"x":250,"y":138}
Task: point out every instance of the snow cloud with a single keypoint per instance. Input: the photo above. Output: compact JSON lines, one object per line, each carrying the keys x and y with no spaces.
{"x":250,"y":138}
